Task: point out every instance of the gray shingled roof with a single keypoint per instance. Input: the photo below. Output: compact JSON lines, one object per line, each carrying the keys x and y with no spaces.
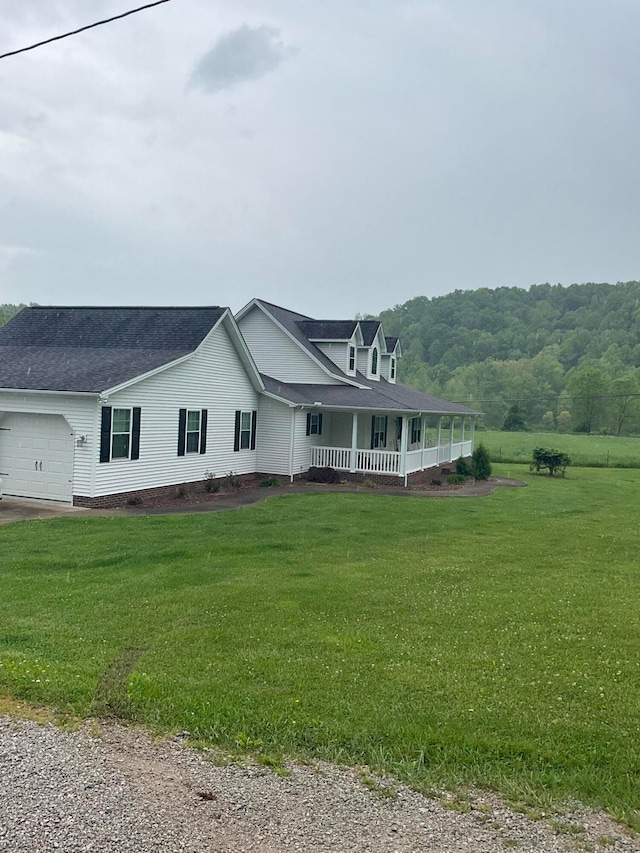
{"x":93,"y":349}
{"x":369,"y":330}
{"x":391,"y":343}
{"x":382,"y":396}
{"x":328,"y":330}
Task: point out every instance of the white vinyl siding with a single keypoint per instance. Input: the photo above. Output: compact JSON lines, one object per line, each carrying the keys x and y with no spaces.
{"x":81,"y":415}
{"x":272,"y":440}
{"x":362,"y":360}
{"x":303,"y":442}
{"x":276,"y":354}
{"x":213,"y":379}
{"x":337,"y":352}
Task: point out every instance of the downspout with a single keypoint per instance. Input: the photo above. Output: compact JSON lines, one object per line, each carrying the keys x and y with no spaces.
{"x":292,"y":437}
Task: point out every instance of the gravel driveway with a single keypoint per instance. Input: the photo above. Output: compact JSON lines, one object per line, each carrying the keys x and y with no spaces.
{"x":122,"y":792}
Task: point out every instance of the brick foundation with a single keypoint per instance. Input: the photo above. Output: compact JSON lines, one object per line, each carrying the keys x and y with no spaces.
{"x":160,"y":494}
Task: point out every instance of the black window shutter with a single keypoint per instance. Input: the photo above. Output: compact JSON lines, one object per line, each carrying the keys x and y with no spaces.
{"x":135,"y":433}
{"x":203,"y":431}
{"x":385,"y":431}
{"x":320,"y":424}
{"x":105,"y":434}
{"x":236,"y":440}
{"x":308,"y":423}
{"x":182,"y":432}
{"x":373,"y":430}
{"x":254,"y":424}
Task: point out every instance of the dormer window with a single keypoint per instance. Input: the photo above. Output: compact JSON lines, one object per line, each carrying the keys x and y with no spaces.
{"x":393,"y":368}
{"x":374,"y":361}
{"x":352,"y":359}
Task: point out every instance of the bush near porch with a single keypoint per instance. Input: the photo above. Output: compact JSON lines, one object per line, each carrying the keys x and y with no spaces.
{"x":437,"y":640}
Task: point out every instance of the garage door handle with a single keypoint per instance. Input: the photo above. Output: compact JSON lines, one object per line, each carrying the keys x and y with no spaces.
{"x":36,"y":466}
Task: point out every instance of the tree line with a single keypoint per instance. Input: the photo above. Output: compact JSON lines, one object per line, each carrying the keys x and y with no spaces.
{"x":569,"y":357}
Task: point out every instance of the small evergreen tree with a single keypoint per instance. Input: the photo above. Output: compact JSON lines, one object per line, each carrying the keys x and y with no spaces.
{"x":463,"y":467}
{"x":514,"y":419}
{"x":481,"y":463}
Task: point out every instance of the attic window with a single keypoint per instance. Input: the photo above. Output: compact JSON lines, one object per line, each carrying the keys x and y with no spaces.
{"x":374,"y":361}
{"x":352,"y":359}
{"x":393,"y":368}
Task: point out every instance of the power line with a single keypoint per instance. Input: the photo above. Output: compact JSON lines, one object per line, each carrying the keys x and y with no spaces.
{"x":564,"y":397}
{"x":82,"y":29}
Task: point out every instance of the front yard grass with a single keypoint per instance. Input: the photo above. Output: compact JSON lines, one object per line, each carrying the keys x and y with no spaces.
{"x":467,"y":641}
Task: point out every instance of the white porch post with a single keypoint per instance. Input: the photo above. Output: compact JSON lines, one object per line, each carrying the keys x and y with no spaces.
{"x":354,"y":442}
{"x":439,"y":439}
{"x":423,"y":433}
{"x":403,"y":447}
{"x":473,"y":430}
{"x":464,"y":420}
{"x":451,"y":420}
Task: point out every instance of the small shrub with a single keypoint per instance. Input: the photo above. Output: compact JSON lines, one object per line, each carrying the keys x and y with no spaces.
{"x":456,"y":479}
{"x":181,"y":493}
{"x":211,"y":485}
{"x":481,"y":463}
{"x":323,"y":475}
{"x":368,"y":483}
{"x":269,"y":482}
{"x":232,"y":481}
{"x":436,"y":481}
{"x":134,"y":501}
{"x":552,"y":460}
{"x":463,"y":467}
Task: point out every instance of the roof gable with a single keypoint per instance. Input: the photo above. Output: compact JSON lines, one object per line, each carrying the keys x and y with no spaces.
{"x":370,"y":329}
{"x":292,"y":323}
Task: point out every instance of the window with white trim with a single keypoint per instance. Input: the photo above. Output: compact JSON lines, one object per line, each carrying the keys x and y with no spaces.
{"x":352,"y":359}
{"x":314,"y":423}
{"x":378,"y":431}
{"x":193,"y":431}
{"x":416,"y":430}
{"x":245,"y":430}
{"x":392,"y":371}
{"x":374,"y":361}
{"x":121,"y":433}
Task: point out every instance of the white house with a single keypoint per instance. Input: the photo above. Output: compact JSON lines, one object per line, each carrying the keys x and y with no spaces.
{"x":101,"y":405}
{"x":332,"y":399}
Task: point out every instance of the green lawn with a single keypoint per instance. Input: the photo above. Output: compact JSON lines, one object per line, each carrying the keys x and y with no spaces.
{"x":489,"y":641}
{"x":600,"y":451}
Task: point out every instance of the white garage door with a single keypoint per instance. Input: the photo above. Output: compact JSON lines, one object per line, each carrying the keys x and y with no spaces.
{"x":36,"y":456}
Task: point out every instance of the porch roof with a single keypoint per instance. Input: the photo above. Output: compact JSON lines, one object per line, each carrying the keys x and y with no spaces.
{"x":387,"y":397}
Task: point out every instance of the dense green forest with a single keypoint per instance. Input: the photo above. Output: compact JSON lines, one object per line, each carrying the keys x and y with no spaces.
{"x":551,"y":357}
{"x":567,"y":357}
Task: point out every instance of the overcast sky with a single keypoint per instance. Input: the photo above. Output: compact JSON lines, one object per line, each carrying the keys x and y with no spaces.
{"x":333,"y":157}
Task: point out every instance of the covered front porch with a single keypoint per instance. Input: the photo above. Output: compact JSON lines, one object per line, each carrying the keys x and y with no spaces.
{"x":386,"y":444}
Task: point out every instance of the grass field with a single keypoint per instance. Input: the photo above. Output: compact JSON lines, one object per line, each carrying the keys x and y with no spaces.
{"x":488,"y":641}
{"x":599,"y":451}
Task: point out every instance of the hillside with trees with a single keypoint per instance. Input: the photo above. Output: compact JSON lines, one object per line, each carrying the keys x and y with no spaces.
{"x":567,"y":358}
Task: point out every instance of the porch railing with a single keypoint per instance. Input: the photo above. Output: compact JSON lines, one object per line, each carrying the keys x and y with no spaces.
{"x":388,"y":461}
